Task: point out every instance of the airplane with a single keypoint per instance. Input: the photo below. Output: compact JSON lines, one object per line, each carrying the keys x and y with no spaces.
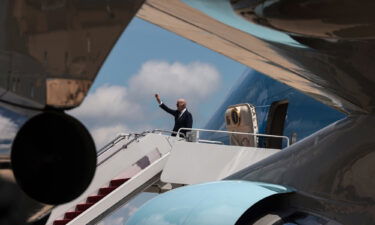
{"x":321,"y":48}
{"x":52,"y":50}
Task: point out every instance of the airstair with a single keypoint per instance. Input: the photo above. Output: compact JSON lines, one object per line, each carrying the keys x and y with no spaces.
{"x":157,"y":162}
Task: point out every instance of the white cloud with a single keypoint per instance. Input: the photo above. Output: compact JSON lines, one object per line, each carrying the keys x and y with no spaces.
{"x":194,"y":81}
{"x":8,"y":128}
{"x":112,"y":109}
{"x":108,"y":104}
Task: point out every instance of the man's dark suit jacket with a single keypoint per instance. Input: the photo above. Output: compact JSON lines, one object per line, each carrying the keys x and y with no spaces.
{"x":186,"y":120}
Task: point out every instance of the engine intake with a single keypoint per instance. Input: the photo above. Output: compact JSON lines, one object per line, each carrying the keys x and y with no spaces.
{"x":53,"y":158}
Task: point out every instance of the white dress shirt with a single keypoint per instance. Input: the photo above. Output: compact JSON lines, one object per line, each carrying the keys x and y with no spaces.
{"x":182,"y":112}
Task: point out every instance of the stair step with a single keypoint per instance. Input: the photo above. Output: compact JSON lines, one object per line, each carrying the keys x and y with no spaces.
{"x":106,"y":190}
{"x":83,"y":206}
{"x":61,"y":222}
{"x":94,"y":198}
{"x":118,"y":182}
{"x":90,"y":201}
{"x":72,"y":215}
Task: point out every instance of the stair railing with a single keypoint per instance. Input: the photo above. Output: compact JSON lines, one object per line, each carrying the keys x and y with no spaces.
{"x":107,"y":147}
{"x":232,"y":132}
{"x":112,"y":143}
{"x":167,"y":132}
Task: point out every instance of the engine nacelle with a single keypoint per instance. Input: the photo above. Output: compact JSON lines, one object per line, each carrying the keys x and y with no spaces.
{"x":53,"y":158}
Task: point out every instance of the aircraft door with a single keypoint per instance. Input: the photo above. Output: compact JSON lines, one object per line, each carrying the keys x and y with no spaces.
{"x":242,"y":118}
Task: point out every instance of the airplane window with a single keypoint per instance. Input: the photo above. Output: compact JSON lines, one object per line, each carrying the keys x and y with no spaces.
{"x":235,"y":116}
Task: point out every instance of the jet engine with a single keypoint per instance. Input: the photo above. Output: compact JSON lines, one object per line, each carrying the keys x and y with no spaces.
{"x":53,"y":158}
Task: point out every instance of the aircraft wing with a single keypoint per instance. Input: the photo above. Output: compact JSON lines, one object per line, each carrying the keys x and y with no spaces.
{"x":51,"y":51}
{"x":322,"y":48}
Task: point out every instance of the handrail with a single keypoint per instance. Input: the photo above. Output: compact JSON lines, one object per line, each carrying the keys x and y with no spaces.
{"x":233,"y":132}
{"x":167,"y":131}
{"x":136,"y":136}
{"x":210,"y":142}
{"x":121,"y":137}
{"x":106,"y":147}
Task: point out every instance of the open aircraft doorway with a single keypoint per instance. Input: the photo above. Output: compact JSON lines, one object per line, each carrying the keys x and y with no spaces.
{"x":275,"y":123}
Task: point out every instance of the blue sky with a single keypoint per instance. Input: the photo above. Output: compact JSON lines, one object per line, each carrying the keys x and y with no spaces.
{"x":143,"y":41}
{"x":148,"y":59}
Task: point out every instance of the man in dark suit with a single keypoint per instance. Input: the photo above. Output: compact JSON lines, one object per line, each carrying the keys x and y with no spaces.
{"x":182,"y":117}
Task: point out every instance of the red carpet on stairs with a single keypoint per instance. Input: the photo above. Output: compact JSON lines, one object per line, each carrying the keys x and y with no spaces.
{"x":90,"y":201}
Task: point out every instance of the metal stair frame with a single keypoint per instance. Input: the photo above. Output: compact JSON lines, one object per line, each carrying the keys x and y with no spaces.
{"x":125,"y":192}
{"x":109,"y":167}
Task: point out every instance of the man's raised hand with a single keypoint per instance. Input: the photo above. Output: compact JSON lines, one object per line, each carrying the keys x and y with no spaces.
{"x":157,"y":98}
